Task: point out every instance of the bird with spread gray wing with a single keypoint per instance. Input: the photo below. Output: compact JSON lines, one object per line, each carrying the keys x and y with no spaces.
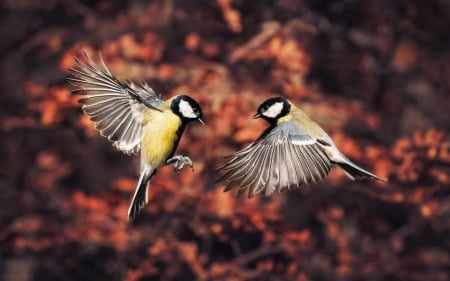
{"x":135,"y":120}
{"x":293,"y":151}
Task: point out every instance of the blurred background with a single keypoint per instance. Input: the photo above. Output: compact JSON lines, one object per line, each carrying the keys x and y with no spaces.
{"x":374,"y":74}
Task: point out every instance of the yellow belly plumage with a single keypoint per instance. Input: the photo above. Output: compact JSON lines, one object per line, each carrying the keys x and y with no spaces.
{"x":160,"y":137}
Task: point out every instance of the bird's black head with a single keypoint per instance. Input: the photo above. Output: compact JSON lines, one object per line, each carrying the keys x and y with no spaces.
{"x":187,"y":108}
{"x":273,"y":109}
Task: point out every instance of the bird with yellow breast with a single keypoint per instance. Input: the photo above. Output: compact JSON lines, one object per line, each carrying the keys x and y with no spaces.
{"x":135,"y":120}
{"x":291,"y":152}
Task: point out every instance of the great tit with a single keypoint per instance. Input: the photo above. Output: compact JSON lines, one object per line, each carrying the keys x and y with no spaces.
{"x":291,"y":152}
{"x":135,"y":119}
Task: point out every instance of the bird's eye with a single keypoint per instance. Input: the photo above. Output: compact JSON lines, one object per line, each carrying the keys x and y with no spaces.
{"x":265,"y":107}
{"x":196,"y":111}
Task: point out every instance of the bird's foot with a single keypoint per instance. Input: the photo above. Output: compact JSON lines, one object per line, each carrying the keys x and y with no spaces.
{"x":179,"y":162}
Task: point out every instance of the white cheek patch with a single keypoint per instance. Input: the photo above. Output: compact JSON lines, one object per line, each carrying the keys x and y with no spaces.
{"x":274,"y":110}
{"x":186,"y":109}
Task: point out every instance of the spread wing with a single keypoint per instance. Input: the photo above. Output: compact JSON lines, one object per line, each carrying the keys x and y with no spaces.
{"x":114,"y":107}
{"x":283,"y":157}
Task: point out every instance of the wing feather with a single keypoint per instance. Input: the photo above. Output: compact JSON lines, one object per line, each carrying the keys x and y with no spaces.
{"x":274,"y":171}
{"x":282,"y":158}
{"x":262,"y":173}
{"x":115,"y":108}
{"x":312,"y":170}
{"x":263,"y":178}
{"x":289,"y":169}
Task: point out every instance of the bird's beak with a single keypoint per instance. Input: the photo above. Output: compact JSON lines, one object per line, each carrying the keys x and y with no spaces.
{"x":256,"y":116}
{"x":200,"y":121}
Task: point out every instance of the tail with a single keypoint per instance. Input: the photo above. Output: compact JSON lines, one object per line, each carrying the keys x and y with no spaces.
{"x":355,"y":172}
{"x":140,"y":197}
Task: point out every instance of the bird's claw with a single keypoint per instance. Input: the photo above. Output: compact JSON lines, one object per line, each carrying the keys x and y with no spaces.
{"x":180,"y":162}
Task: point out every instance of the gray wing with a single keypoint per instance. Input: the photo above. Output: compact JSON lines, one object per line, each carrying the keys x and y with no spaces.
{"x":114,"y":107}
{"x":283,"y":157}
